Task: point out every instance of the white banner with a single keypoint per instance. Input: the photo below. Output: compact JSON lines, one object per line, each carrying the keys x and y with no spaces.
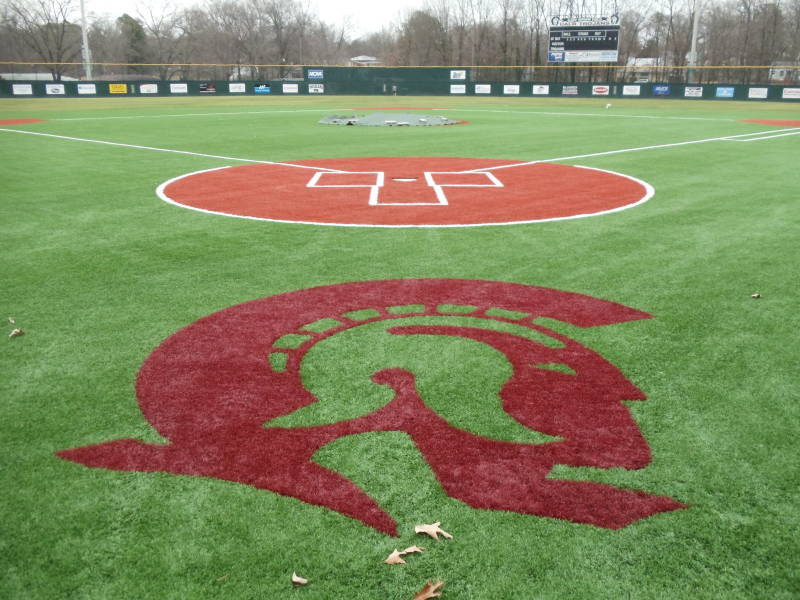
{"x":148,"y":88}
{"x":631,"y":90}
{"x":458,"y":74}
{"x":791,"y":94}
{"x":178,"y":88}
{"x":600,"y":90}
{"x":87,"y":89}
{"x":291,"y":88}
{"x":22,"y":89}
{"x":458,"y":88}
{"x":483,"y":88}
{"x":54,"y":89}
{"x":316,"y":88}
{"x":759,"y":93}
{"x":237,"y":88}
{"x":511,"y":89}
{"x":541,"y":90}
{"x":693,"y":91}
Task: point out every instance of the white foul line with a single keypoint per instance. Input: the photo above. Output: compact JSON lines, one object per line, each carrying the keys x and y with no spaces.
{"x":185,"y":152}
{"x":609,"y":152}
{"x":777,"y":134}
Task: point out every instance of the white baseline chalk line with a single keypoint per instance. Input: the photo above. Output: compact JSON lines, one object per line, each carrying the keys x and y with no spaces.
{"x":776,"y":134}
{"x":576,"y":114}
{"x":621,"y":151}
{"x":769,"y":133}
{"x":209,"y":114}
{"x":185,"y":152}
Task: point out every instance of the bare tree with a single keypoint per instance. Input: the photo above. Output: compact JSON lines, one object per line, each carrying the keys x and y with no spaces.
{"x":45,"y":28}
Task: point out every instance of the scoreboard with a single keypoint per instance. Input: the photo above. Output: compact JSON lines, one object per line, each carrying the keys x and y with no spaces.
{"x":583,"y":42}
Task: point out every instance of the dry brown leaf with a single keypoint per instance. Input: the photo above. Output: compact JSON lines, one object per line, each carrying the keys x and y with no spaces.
{"x":395,"y":558}
{"x":16,"y":333}
{"x":429,"y":590}
{"x":433,"y":530}
{"x":297,"y":580}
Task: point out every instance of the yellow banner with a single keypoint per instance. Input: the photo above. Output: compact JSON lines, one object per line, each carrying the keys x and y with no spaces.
{"x":117,"y":88}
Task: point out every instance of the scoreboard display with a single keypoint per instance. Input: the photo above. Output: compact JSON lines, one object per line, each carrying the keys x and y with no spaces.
{"x":583,"y":42}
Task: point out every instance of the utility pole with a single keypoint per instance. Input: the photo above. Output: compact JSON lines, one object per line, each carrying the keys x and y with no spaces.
{"x":85,"y":52}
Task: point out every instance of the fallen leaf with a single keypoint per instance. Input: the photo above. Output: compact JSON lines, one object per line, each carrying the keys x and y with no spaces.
{"x":297,"y":580}
{"x":12,"y":320}
{"x":395,"y":558}
{"x":756,"y":295}
{"x":223,"y":578}
{"x":412,"y":550}
{"x":16,"y":333}
{"x":433,"y":530}
{"x":429,"y":590}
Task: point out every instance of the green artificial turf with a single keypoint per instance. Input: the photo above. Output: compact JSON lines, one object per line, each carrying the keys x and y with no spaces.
{"x":98,"y":271}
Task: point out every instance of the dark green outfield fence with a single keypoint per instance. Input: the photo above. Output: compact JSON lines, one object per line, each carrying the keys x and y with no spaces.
{"x":388,"y":81}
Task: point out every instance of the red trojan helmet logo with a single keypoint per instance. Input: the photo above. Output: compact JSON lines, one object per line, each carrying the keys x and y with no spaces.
{"x":218,"y":388}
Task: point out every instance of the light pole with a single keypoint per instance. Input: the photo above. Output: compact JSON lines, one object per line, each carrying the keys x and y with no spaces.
{"x":690,"y":74}
{"x":85,"y":52}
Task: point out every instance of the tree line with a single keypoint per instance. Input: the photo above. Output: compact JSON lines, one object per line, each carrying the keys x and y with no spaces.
{"x":267,"y":39}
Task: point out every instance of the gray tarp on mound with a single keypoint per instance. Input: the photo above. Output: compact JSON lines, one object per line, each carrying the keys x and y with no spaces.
{"x":388,"y":120}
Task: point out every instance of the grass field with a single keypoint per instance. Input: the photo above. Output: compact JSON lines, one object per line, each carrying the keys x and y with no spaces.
{"x":98,"y":272}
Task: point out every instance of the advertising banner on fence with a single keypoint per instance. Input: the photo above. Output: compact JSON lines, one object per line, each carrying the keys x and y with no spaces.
{"x":724,"y":92}
{"x":22,"y":89}
{"x":458,"y":88}
{"x":54,"y":89}
{"x":791,"y":94}
{"x":208,"y":88}
{"x":569,"y":90}
{"x":759,"y":93}
{"x":660,"y":90}
{"x":316,"y":88}
{"x":316,"y":74}
{"x":693,"y":91}
{"x":541,"y":90}
{"x":262,"y":88}
{"x":148,"y":88}
{"x":458,"y":74}
{"x":631,"y":90}
{"x":117,"y":88}
{"x":511,"y":89}
{"x":600,"y":90}
{"x":236,"y":88}
{"x":85,"y":89}
{"x":178,"y":88}
{"x":291,"y":88}
{"x":483,"y":88}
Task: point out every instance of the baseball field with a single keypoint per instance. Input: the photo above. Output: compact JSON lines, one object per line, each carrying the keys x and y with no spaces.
{"x":241,"y":345}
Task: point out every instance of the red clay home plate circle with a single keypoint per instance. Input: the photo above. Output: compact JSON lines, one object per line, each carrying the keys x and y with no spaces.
{"x":406,"y":192}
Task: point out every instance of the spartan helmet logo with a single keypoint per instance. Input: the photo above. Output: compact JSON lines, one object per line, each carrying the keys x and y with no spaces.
{"x":229,"y":394}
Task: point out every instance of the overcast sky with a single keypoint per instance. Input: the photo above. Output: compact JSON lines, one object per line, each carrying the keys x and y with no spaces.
{"x":364,"y":16}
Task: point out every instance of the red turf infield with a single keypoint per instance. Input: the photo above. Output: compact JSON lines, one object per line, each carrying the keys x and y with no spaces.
{"x":20,"y":121}
{"x":412,"y":191}
{"x":773,"y":122}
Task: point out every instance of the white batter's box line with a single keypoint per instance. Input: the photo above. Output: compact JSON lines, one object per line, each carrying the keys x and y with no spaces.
{"x":380,"y":180}
{"x":494,"y":182}
{"x":762,"y":136}
{"x":374,"y":188}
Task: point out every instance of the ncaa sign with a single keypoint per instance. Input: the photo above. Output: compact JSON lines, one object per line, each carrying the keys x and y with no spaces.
{"x":316,"y":74}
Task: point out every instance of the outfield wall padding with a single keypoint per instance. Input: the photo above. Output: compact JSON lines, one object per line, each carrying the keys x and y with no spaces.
{"x":397,"y":81}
